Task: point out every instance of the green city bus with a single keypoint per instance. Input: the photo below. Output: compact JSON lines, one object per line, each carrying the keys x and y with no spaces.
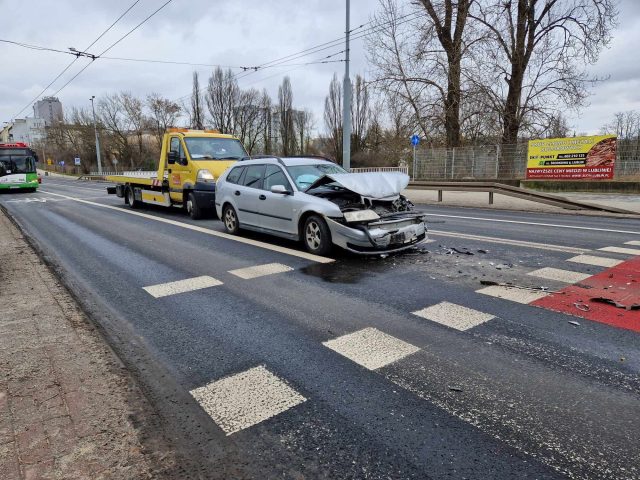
{"x":18,"y":167}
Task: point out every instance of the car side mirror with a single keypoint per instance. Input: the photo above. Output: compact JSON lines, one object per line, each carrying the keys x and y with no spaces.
{"x":280,"y":189}
{"x":173,"y":157}
{"x":184,"y":161}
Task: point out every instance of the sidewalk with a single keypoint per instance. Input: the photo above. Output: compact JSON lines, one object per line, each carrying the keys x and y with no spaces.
{"x":67,"y":405}
{"x":503,"y":202}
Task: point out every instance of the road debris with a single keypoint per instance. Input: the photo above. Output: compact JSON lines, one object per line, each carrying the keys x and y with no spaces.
{"x":574,"y":323}
{"x":610,"y":301}
{"x":455,"y":388}
{"x":492,"y":283}
{"x":581,"y":306}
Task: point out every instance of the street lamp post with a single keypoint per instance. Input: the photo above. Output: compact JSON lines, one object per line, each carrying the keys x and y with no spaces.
{"x":346,"y":91}
{"x":95,"y":128}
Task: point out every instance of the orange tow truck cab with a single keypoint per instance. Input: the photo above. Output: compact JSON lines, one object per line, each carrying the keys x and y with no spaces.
{"x":190,"y":162}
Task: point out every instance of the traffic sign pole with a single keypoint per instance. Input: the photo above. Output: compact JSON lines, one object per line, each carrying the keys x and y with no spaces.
{"x":415,"y":140}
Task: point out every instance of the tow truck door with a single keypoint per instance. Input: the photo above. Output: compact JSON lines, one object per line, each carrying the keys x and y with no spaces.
{"x":179,"y":170}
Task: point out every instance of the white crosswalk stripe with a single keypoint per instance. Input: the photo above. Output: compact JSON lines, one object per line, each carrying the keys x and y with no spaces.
{"x":519,"y":295}
{"x":260,"y":270}
{"x":246,"y":399}
{"x":634,"y":243}
{"x":596,"y":261}
{"x":181,"y":286}
{"x":371,"y":348}
{"x":626,"y":251}
{"x":454,"y":316}
{"x":560,"y":275}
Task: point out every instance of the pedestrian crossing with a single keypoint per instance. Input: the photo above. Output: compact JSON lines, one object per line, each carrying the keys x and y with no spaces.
{"x":242,"y":400}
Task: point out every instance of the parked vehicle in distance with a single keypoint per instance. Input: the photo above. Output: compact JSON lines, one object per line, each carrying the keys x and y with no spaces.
{"x":321,"y":204}
{"x":18,"y":167}
{"x":190,"y":161}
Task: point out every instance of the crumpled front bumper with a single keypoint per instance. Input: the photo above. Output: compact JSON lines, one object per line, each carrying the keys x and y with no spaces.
{"x":380,"y":236}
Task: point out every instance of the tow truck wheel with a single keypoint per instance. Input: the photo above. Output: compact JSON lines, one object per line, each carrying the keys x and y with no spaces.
{"x":230,"y":220}
{"x":131,"y":199}
{"x":193,"y":209}
{"x":316,"y":236}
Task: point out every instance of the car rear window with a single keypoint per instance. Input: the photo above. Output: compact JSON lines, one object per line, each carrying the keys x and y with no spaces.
{"x":253,"y":177}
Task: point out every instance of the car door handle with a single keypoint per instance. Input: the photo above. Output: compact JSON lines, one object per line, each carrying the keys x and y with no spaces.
{"x":262,"y":197}
{"x":237,"y":193}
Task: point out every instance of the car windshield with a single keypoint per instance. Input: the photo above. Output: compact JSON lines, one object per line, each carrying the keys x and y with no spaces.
{"x":203,"y":148}
{"x":305,"y":175}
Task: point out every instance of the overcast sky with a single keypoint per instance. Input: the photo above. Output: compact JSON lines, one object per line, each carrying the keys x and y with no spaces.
{"x":231,"y":33}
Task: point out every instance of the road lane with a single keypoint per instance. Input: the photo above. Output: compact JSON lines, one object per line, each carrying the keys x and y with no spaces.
{"x":469,"y":402}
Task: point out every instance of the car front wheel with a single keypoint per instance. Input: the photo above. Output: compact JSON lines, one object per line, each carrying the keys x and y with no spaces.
{"x":316,"y":236}
{"x":230,"y":220}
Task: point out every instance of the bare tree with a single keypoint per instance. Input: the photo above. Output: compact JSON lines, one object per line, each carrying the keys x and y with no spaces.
{"x":249,"y":118}
{"x":285,"y":111}
{"x":303,"y":125}
{"x":116,"y":123}
{"x":420,"y":60}
{"x":138,"y":121}
{"x":196,"y":112}
{"x":537,"y":51}
{"x":222,"y":97}
{"x":333,"y":118}
{"x":360,"y":114}
{"x":164,"y":114}
{"x":267,"y":122}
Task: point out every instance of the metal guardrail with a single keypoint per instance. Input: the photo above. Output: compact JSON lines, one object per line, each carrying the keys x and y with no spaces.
{"x":380,"y":169}
{"x":510,"y":191}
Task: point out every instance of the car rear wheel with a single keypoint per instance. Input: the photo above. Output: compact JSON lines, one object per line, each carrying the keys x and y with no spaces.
{"x":316,"y":236}
{"x":230,"y":220}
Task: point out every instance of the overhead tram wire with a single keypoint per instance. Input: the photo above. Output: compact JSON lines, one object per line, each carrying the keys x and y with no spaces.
{"x":77,"y":56}
{"x":318,"y":48}
{"x":113,"y":45}
{"x":327,"y":45}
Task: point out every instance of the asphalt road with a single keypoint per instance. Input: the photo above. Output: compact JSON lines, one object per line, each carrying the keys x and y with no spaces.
{"x":321,"y":368}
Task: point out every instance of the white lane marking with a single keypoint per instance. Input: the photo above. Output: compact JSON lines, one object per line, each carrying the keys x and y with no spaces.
{"x":208,"y":231}
{"x":371,"y":348}
{"x":534,"y":223}
{"x":260,"y":270}
{"x":635,"y":243}
{"x":626,"y":251}
{"x":182,"y":286}
{"x":454,"y":316}
{"x":560,"y":275}
{"x":517,"y":243}
{"x":597,"y":261}
{"x":519,"y":295}
{"x":246,"y":399}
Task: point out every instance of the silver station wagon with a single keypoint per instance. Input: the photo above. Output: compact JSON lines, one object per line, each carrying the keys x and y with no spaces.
{"x":319,"y":203}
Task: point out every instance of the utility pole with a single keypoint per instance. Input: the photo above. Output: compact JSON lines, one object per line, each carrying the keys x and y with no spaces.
{"x":95,"y":128}
{"x":346,"y":114}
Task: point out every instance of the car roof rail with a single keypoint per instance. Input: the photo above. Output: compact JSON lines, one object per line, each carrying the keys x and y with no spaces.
{"x":259,"y":157}
{"x":321,"y":157}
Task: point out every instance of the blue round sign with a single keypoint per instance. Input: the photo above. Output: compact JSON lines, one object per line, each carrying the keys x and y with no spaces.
{"x":415,"y":140}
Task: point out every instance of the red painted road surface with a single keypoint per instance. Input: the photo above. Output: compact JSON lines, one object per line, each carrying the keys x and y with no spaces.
{"x":620,"y":284}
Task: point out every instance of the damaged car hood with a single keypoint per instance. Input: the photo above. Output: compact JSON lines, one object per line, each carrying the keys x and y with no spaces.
{"x":372,"y":185}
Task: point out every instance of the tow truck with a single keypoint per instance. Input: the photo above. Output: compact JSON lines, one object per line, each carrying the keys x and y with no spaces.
{"x":190,"y":162}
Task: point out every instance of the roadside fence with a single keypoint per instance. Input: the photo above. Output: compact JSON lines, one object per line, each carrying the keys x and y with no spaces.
{"x":504,"y":162}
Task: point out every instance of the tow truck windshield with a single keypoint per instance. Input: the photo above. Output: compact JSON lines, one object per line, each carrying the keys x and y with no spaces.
{"x":201,"y":148}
